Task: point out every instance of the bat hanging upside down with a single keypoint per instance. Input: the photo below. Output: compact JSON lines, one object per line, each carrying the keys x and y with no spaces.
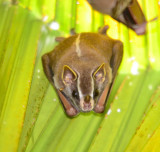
{"x":82,"y":69}
{"x":128,"y":12}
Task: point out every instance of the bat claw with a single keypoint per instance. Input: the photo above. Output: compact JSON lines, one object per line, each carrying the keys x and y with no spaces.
{"x":103,"y":30}
{"x":72,"y":31}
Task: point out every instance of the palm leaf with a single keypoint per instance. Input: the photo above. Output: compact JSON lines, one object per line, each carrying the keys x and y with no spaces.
{"x":31,"y":117}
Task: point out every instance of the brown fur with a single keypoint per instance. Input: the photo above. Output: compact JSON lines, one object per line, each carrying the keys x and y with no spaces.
{"x":95,"y":50}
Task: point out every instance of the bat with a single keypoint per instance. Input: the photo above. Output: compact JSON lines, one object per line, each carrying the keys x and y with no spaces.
{"x":126,"y":11}
{"x":82,"y":69}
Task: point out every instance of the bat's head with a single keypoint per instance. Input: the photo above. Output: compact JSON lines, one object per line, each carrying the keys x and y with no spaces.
{"x":84,"y":89}
{"x":83,"y":72}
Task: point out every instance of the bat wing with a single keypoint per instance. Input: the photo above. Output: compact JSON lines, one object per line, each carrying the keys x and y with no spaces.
{"x":116,"y":59}
{"x":128,"y":12}
{"x":69,"y":109}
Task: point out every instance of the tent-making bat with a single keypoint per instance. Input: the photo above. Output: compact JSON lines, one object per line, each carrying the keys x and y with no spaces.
{"x":126,"y":11}
{"x":82,"y":69}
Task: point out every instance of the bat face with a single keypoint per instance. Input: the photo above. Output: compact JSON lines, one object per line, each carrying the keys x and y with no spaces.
{"x":83,"y":89}
{"x":82,"y":69}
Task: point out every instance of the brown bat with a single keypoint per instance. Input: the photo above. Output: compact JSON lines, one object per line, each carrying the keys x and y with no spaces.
{"x":82,"y":69}
{"x":126,"y":11}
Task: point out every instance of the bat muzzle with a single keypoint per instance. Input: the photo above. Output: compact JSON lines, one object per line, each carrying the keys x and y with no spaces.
{"x":87,"y":103}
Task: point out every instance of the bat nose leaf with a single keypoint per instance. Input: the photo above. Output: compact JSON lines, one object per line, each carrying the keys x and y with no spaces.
{"x":87,"y":99}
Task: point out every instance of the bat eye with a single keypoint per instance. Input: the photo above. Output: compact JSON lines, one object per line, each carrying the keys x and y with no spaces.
{"x":75,"y":94}
{"x":96,"y":93}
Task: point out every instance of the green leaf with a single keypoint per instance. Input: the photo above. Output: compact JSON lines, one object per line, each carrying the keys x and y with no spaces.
{"x":31,"y":116}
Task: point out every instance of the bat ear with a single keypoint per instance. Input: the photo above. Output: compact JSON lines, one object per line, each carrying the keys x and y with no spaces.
{"x":68,"y":75}
{"x":100,"y":73}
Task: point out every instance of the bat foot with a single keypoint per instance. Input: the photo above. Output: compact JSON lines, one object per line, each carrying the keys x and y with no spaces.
{"x":72,"y":31}
{"x":103,"y":30}
{"x":99,"y":109}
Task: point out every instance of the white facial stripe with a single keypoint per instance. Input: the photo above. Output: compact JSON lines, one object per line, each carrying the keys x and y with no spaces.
{"x":92,"y":86}
{"x":78,"y":87}
{"x":78,"y":50}
{"x":81,"y":96}
{"x":81,"y":104}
